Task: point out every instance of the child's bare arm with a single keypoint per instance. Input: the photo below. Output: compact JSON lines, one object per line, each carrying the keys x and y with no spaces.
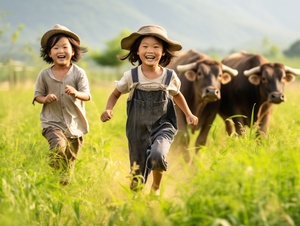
{"x":46,"y":99}
{"x":77,"y":94}
{"x":181,"y":102}
{"x":112,"y":100}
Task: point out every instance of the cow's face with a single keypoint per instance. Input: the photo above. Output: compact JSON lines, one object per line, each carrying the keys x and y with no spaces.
{"x":271,"y":80}
{"x":207,"y":79}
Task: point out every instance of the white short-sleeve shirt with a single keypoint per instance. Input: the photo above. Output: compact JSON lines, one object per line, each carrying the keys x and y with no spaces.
{"x":126,"y":85}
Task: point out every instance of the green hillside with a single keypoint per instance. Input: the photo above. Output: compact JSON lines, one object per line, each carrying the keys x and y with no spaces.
{"x":199,"y":24}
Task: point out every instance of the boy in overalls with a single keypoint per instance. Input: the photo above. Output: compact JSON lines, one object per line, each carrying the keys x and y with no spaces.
{"x":151,"y":124}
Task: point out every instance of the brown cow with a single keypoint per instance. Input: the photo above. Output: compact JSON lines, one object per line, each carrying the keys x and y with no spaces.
{"x":201,"y":79}
{"x":258,"y":85}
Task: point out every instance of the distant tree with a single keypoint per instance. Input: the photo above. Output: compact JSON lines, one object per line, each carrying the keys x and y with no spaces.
{"x":269,"y":49}
{"x":9,"y":41}
{"x":109,"y":56}
{"x":293,"y":50}
{"x":266,"y":48}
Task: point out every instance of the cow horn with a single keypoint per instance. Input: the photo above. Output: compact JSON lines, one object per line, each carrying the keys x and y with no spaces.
{"x":186,"y":67}
{"x":229,"y":70}
{"x":252,"y":71}
{"x":292,"y":70}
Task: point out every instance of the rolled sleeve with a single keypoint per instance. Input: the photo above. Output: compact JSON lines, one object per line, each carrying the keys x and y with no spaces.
{"x":83,"y":83}
{"x":40,"y":87}
{"x":174,"y":86}
{"x":124,"y":85}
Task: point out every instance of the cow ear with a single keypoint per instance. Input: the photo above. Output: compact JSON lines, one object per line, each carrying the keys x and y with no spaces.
{"x":289,"y":77}
{"x":225,"y":78}
{"x":190,"y":75}
{"x":254,"y":79}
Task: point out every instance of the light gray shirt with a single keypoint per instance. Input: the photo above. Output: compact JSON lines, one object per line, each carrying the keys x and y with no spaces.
{"x":68,"y":112}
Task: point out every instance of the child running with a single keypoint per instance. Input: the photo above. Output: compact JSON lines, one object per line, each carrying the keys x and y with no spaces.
{"x":62,"y":89}
{"x":151,"y":119}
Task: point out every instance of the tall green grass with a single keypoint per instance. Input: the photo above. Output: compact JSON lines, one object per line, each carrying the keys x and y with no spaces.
{"x":232,"y":181}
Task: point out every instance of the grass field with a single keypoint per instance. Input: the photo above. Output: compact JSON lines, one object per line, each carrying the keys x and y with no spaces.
{"x":232,"y":181}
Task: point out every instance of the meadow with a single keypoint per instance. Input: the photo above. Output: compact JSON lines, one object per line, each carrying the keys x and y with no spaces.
{"x":231,"y":181}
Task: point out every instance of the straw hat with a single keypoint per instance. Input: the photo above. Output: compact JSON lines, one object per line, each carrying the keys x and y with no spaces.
{"x":152,"y":30}
{"x":58,"y":29}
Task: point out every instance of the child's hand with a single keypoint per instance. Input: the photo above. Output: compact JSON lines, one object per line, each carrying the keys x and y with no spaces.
{"x":71,"y":90}
{"x":50,"y":98}
{"x":192,"y":120}
{"x":106,"y":115}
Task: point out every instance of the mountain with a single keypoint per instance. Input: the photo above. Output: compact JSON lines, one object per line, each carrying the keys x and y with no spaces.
{"x":198,"y":24}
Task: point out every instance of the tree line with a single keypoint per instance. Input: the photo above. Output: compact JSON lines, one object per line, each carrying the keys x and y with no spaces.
{"x":108,"y":57}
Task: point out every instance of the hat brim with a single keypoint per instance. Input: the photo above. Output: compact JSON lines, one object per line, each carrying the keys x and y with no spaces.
{"x":52,"y":32}
{"x":127,"y":42}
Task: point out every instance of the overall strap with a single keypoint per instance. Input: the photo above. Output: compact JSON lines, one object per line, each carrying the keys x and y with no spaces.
{"x":169,"y":76}
{"x":135,"y":78}
{"x":134,"y":73}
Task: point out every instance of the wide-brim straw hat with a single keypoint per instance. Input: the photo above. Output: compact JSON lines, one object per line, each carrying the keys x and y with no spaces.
{"x":150,"y":30}
{"x":58,"y":29}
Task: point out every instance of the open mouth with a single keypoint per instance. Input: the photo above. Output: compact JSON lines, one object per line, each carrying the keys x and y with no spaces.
{"x":150,"y":57}
{"x":61,"y":57}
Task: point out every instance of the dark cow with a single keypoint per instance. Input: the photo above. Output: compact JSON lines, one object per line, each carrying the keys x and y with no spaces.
{"x":258,"y":85}
{"x":201,"y":79}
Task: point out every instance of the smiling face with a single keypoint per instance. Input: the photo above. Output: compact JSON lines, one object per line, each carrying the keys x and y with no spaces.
{"x":150,"y":51}
{"x":62,"y":52}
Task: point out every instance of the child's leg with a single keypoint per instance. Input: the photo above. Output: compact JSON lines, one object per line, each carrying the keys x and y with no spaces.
{"x":70,"y":155}
{"x":157,"y":161}
{"x":63,"y":152}
{"x":72,"y":151}
{"x":58,"y":143}
{"x":157,"y":177}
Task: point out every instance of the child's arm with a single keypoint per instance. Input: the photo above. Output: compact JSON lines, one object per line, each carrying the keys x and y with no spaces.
{"x":181,"y":102}
{"x":112,"y":100}
{"x":77,"y":94}
{"x":46,"y":99}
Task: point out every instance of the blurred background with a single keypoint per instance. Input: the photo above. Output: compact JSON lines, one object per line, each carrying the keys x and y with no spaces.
{"x":216,"y":28}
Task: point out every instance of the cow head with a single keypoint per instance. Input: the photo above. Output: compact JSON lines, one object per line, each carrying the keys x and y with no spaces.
{"x":271,"y":77}
{"x":207,"y":76}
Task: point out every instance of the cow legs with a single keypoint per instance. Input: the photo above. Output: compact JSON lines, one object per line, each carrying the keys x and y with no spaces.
{"x":182,"y":138}
{"x":181,"y":143}
{"x":239,"y":126}
{"x":229,"y":126}
{"x":204,"y":130}
{"x":202,"y":138}
{"x":263,"y":126}
{"x":263,"y":117}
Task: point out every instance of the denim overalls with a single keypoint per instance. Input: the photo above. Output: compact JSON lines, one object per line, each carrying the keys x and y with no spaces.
{"x":150,"y":127}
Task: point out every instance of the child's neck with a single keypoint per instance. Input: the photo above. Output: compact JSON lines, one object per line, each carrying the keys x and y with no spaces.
{"x":152,"y":72}
{"x":59,"y":71}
